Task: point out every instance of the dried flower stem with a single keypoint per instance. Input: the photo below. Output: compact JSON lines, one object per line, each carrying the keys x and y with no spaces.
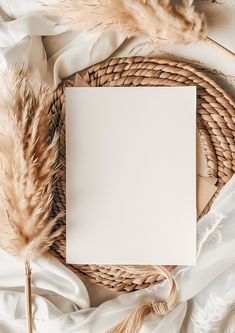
{"x":220,"y":47}
{"x":28,"y":297}
{"x":28,"y":167}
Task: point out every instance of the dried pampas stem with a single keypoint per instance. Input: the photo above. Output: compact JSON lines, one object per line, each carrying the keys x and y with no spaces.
{"x":28,"y":296}
{"x":135,"y":320}
{"x":27,"y":169}
{"x":165,"y":21}
{"x":215,"y":44}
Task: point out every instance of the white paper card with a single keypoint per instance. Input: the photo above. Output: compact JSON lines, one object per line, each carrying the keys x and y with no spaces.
{"x":131,"y":175}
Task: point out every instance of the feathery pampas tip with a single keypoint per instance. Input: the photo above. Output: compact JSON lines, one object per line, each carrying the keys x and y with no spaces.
{"x":164,"y":20}
{"x":27,"y":170}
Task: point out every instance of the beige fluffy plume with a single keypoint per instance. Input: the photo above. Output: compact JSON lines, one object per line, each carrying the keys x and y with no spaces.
{"x":27,"y":168}
{"x":164,"y":20}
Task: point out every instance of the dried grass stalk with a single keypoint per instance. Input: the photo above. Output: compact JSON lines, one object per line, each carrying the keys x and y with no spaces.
{"x":27,"y":169}
{"x":164,"y":20}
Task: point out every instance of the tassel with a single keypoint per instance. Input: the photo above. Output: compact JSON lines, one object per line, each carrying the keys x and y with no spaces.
{"x":134,"y":321}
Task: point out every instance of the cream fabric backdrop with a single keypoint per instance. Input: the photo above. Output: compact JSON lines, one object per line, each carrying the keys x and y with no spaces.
{"x":61,"y":302}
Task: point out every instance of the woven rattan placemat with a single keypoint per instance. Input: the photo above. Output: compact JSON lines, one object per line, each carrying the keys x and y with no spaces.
{"x":216,"y":126}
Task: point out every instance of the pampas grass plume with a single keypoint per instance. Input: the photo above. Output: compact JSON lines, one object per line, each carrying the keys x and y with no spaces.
{"x":27,"y":169}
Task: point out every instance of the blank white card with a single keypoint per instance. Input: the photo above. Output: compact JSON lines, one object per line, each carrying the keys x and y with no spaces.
{"x":131,"y":175}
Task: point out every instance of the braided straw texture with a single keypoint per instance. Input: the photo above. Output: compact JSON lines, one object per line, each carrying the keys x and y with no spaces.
{"x":215,"y":122}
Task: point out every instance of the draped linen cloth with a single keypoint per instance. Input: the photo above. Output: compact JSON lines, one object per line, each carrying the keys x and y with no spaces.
{"x":206,"y":302}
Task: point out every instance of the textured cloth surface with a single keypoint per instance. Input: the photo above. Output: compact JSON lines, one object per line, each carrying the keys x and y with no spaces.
{"x":206,"y":291}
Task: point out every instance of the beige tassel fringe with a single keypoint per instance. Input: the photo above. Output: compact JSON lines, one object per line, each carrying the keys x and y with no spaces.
{"x":134,"y":321}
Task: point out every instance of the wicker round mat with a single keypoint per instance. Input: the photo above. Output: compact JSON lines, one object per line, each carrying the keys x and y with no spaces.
{"x":215,"y":122}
